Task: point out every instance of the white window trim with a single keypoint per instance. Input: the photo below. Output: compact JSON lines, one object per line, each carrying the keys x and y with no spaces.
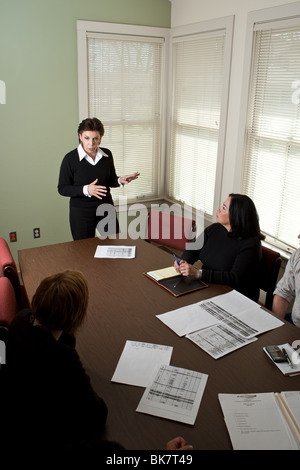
{"x":224,"y":23}
{"x":277,"y":15}
{"x":227,"y":24}
{"x":84,"y":27}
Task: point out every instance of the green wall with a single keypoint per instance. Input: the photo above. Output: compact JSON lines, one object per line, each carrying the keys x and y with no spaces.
{"x":39,"y":120}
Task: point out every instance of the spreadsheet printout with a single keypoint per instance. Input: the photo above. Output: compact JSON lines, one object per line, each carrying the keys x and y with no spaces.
{"x":175,"y":394}
{"x":112,"y":251}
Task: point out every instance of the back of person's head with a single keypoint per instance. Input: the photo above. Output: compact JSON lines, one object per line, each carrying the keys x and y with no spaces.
{"x":91,"y":124}
{"x":60,"y":301}
{"x":243,"y":217}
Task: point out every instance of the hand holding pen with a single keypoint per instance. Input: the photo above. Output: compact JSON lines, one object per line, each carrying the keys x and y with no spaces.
{"x":177,"y":261}
{"x":185,"y":268}
{"x":177,"y":267}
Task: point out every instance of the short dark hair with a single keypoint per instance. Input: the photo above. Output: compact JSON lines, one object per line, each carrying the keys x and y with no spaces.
{"x":60,"y":301}
{"x":243,"y":217}
{"x":91,"y":124}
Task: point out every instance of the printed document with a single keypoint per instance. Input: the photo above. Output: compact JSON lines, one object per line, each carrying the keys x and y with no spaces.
{"x":219,"y":340}
{"x":174,"y":394}
{"x":139,"y":362}
{"x":261,"y":422}
{"x":221,"y":324}
{"x":112,"y":251}
{"x":233,"y":309}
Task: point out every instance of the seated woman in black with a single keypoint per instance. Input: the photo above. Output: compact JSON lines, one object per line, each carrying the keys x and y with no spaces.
{"x":50,"y":405}
{"x":231,"y":248}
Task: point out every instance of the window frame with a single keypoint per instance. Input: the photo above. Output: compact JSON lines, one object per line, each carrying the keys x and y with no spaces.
{"x":278,"y":15}
{"x":227,"y":24}
{"x":84,"y":27}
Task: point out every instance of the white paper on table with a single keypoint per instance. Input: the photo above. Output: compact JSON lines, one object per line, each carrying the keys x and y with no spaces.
{"x":255,"y":422}
{"x":113,"y":251}
{"x":218,"y":340}
{"x":139,"y":362}
{"x":233,"y":308}
{"x":186,"y":319}
{"x":175,"y":394}
{"x":293,"y":401}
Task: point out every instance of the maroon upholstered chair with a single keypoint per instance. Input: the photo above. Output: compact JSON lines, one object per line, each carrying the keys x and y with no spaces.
{"x":8,"y":302}
{"x":8,"y":269}
{"x":169,"y":230}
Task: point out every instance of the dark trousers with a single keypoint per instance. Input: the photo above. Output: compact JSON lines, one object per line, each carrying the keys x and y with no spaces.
{"x":84,"y":221}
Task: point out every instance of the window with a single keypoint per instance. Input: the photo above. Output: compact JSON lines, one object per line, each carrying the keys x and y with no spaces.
{"x":123,"y":87}
{"x":198,"y":118}
{"x":272,"y":148}
{"x":123,"y":81}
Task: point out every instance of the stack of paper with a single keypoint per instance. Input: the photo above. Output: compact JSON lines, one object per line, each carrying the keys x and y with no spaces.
{"x":171,"y":392}
{"x":221,"y":324}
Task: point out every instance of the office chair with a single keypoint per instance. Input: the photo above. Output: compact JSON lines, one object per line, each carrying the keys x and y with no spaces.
{"x":268,"y":273}
{"x":8,"y":302}
{"x":8,"y":269}
{"x":169,"y":231}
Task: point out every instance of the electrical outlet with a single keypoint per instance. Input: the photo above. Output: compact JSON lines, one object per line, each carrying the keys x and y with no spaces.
{"x":13,"y":236}
{"x":36,"y":233}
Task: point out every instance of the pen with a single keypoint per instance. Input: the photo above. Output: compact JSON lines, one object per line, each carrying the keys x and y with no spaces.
{"x":176,"y":259}
{"x":287,"y":358}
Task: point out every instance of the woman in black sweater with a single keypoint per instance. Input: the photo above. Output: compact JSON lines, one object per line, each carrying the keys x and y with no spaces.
{"x":86,"y":175}
{"x":49,"y":405}
{"x":231,"y":248}
{"x":50,"y":401}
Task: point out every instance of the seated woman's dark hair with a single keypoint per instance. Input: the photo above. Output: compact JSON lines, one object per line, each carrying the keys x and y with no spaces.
{"x":243,"y":217}
{"x":60,"y":301}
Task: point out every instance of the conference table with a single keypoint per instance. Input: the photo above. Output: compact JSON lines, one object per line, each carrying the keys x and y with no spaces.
{"x":123,"y":306}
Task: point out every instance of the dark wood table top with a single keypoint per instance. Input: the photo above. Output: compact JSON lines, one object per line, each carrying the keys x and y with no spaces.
{"x":123,"y":306}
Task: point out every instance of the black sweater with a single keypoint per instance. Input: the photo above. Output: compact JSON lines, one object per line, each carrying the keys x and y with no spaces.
{"x":50,"y":402}
{"x":75,"y":174}
{"x":228,"y":260}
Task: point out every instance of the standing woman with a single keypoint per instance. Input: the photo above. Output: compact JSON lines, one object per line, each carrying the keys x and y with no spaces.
{"x":86,"y":175}
{"x":231,"y":248}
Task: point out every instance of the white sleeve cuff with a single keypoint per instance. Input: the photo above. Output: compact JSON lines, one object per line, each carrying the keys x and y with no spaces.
{"x":86,"y":191}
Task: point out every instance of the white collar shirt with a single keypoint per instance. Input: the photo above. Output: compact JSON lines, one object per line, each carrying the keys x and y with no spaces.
{"x":82,"y":154}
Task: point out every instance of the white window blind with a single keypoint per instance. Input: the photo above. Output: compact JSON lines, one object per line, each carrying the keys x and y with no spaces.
{"x":271,"y":174}
{"x":124,"y":92}
{"x":198,"y":78}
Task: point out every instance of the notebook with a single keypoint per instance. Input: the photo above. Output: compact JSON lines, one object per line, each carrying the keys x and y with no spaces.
{"x":175,"y":283}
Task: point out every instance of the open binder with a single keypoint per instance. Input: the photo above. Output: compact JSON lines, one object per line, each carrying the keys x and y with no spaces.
{"x":262,"y":421}
{"x":175,"y":283}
